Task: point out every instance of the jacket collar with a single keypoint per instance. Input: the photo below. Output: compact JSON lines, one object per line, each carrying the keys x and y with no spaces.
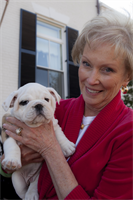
{"x":97,"y":128}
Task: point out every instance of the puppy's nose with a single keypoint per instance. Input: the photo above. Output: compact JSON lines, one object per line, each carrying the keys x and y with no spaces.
{"x":38,"y":107}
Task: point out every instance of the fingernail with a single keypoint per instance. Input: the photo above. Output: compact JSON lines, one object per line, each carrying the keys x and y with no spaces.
{"x":6,"y":131}
{"x":7,"y":118}
{"x":4,"y":125}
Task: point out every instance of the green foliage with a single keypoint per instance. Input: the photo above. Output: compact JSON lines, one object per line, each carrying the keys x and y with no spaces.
{"x":128,"y":98}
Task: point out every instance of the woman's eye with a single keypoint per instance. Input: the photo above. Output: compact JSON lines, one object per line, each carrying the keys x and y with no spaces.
{"x":86,"y":63}
{"x":107,"y":69}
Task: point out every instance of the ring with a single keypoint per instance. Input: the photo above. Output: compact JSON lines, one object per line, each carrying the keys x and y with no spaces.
{"x":18,"y":131}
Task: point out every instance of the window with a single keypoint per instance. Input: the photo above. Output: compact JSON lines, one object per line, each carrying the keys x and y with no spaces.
{"x":45,"y":54}
{"x":49,"y":56}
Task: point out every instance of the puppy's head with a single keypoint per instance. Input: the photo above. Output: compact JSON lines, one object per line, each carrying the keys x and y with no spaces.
{"x":32,"y":103}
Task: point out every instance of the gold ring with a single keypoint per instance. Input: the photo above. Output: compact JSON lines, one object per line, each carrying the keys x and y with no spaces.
{"x":18,"y":131}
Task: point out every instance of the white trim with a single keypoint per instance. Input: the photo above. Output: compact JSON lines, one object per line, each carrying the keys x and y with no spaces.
{"x":50,"y":21}
{"x":64,"y":64}
{"x":51,"y":69}
{"x":50,"y":38}
{"x":50,"y":13}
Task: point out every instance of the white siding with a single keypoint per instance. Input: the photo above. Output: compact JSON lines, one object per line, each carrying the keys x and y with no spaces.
{"x":78,"y":11}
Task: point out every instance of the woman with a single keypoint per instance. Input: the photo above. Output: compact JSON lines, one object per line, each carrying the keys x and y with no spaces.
{"x":98,"y":121}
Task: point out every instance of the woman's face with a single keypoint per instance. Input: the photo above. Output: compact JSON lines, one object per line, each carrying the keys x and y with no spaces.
{"x":101,"y":75}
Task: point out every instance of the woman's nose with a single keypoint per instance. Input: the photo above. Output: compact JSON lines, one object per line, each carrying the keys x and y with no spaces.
{"x":93,"y":78}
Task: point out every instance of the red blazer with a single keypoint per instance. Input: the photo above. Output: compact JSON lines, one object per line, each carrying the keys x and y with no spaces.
{"x":102,"y":163}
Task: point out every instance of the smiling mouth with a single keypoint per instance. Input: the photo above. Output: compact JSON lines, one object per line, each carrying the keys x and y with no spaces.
{"x":94,"y":91}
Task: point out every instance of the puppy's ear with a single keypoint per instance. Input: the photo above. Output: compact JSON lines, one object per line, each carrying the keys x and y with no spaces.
{"x":54,"y":94}
{"x":9,"y":102}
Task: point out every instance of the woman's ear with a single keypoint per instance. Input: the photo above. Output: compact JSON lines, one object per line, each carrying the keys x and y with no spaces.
{"x":126,"y":83}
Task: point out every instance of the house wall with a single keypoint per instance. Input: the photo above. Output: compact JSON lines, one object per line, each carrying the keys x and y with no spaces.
{"x":79,"y":12}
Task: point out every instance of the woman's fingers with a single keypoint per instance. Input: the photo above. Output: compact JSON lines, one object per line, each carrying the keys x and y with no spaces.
{"x":34,"y":158}
{"x":28,"y":153}
{"x":29,"y":156}
{"x":13,"y":135}
{"x":29,"y":137}
{"x":38,"y":160}
{"x":39,"y":139}
{"x":10,"y":127}
{"x":15,"y":122}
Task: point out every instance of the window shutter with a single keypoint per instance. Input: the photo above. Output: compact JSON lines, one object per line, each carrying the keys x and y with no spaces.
{"x":72,"y":70}
{"x":27,"y":47}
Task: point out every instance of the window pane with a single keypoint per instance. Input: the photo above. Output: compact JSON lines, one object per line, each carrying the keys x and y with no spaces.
{"x":42,"y":52}
{"x":55,"y":81}
{"x":42,"y":76}
{"x":48,"y":30}
{"x":55,"y":56}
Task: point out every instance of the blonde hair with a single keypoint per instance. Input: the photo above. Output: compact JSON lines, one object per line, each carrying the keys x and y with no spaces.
{"x":111,"y":28}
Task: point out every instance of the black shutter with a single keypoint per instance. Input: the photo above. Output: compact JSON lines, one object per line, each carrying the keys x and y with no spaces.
{"x":72,"y":70}
{"x":27,"y":48}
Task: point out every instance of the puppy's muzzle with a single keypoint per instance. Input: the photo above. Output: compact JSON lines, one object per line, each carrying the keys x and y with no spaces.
{"x":39,"y":107}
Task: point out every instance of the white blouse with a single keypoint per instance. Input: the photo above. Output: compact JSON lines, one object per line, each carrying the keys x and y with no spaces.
{"x":85,"y":121}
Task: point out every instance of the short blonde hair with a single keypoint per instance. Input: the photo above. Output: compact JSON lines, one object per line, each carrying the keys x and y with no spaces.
{"x":109,"y":27}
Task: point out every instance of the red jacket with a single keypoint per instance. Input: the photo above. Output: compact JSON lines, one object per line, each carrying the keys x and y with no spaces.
{"x":102,"y":163}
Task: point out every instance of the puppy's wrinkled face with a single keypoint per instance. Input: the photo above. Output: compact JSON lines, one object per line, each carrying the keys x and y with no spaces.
{"x":34,"y":105}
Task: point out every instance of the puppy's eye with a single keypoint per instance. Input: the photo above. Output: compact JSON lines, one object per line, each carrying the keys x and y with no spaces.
{"x":23,"y":103}
{"x":47,"y":99}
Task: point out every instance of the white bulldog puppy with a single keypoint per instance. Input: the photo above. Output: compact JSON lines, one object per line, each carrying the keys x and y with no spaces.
{"x":34,"y":105}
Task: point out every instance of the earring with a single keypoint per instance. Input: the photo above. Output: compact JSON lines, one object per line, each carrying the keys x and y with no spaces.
{"x":124,"y":89}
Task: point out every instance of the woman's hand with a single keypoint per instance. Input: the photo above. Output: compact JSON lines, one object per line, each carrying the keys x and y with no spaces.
{"x":39,"y":139}
{"x":29,"y":156}
{"x":43,"y":140}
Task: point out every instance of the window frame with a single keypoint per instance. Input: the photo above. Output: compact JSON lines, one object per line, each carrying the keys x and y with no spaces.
{"x":63,"y":51}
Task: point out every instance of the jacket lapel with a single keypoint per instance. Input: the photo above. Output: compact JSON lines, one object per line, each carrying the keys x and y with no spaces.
{"x":97,"y":128}
{"x":72,"y":120}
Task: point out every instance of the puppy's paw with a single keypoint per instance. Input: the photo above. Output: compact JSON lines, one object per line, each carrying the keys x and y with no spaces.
{"x":11,"y":164}
{"x":68,"y":148}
